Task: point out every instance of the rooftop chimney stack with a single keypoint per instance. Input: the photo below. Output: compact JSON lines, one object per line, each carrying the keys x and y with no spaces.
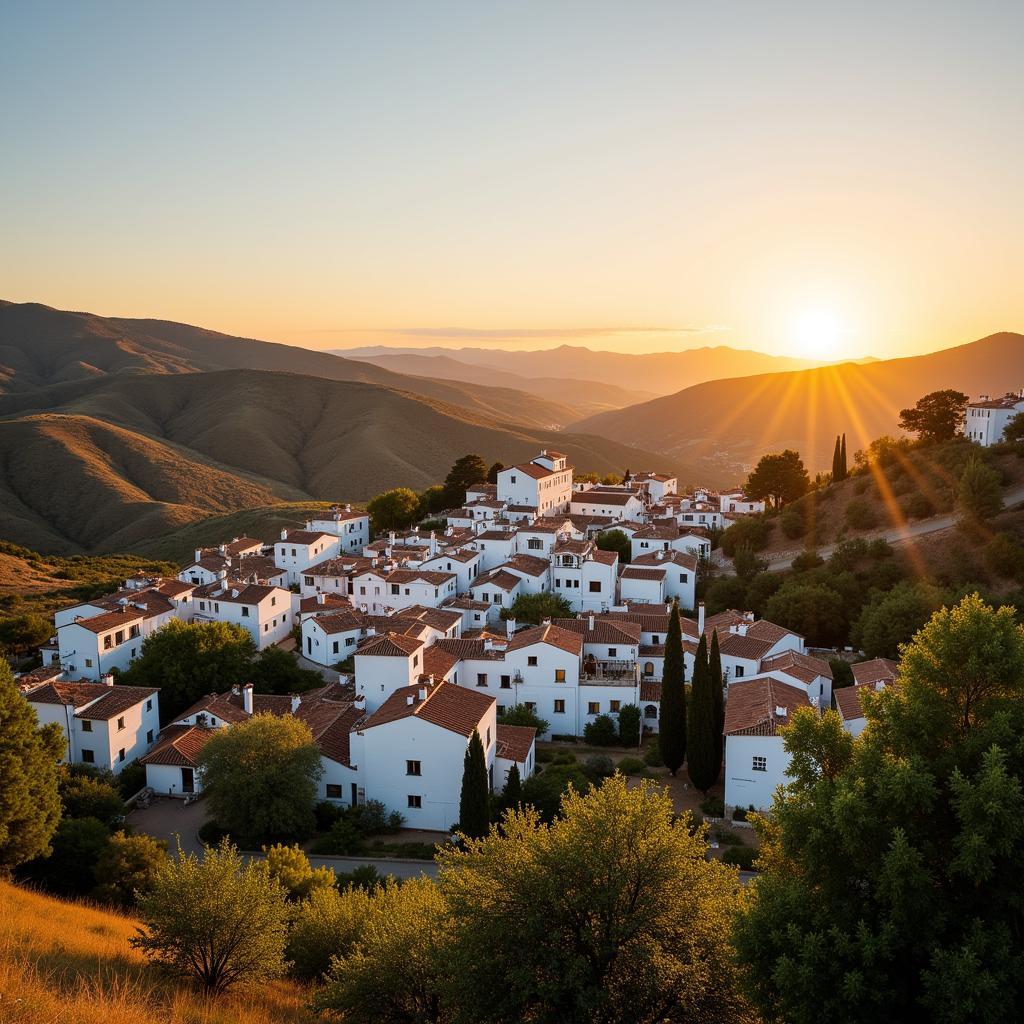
{"x":590,"y":622}
{"x":321,"y":598}
{"x":423,"y":693}
{"x":510,"y":628}
{"x":296,"y":701}
{"x":700,"y":619}
{"x":247,"y":698}
{"x":284,"y":534}
{"x":107,"y":679}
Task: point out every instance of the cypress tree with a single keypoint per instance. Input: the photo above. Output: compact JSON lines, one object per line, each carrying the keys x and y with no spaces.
{"x":474,"y":817}
{"x":837,"y":471}
{"x":513,"y":791}
{"x":672,"y":715}
{"x":700,"y":742}
{"x":842,"y":458}
{"x":718,"y":693}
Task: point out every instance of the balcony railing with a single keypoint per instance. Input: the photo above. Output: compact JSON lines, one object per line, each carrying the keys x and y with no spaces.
{"x":608,"y":673}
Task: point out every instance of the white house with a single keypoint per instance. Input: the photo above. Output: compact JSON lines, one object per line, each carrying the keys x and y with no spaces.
{"x":680,"y":574}
{"x":494,"y":547}
{"x":756,"y":762}
{"x":737,"y":501}
{"x":104,"y":725}
{"x":299,"y":550}
{"x":658,"y":485}
{"x":607,"y":502}
{"x":642,"y":584}
{"x":875,"y":674}
{"x":650,"y":538}
{"x":384,"y":664}
{"x":266,"y":612}
{"x":584,"y":575}
{"x":544,"y":484}
{"x":381,"y":591}
{"x":498,"y":589}
{"x":414,"y":746}
{"x":352,"y":527}
{"x":331,"y":636}
{"x":515,"y":745}
{"x":988,"y":417}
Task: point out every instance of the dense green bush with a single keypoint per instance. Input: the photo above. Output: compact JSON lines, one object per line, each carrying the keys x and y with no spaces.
{"x":713,"y":807}
{"x":326,"y":815}
{"x":652,"y":757}
{"x":742,"y":857}
{"x":632,"y":766}
{"x":1005,"y":557}
{"x":601,"y":732}
{"x":629,"y":725}
{"x":861,"y":515}
{"x":753,"y":532}
{"x":599,"y":766}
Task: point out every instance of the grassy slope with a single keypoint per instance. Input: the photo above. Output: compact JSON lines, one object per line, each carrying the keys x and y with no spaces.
{"x":121,"y":459}
{"x":71,"y":963}
{"x":736,"y":421}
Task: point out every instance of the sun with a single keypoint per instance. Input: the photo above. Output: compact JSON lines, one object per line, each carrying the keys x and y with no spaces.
{"x":817,"y":334}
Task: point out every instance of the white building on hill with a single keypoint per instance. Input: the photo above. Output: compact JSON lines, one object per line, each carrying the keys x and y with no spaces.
{"x":987,"y":418}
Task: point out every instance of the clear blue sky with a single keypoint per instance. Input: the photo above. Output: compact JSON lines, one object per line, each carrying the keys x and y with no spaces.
{"x":340,"y":173}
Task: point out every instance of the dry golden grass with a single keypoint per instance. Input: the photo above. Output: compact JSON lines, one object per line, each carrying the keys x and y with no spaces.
{"x":66,"y":963}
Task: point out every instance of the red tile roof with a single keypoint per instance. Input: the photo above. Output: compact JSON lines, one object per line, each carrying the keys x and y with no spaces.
{"x":877,"y":670}
{"x":555,"y":635}
{"x":750,"y":708}
{"x":179,"y":746}
{"x":848,"y":701}
{"x":514,"y":742}
{"x":390,"y":645}
{"x":451,"y":707}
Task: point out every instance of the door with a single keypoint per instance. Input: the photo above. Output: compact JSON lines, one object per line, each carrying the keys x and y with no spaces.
{"x":355,"y":794}
{"x":188,"y":782}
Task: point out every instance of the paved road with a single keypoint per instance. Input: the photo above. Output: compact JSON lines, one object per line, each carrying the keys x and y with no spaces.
{"x":782,"y":560}
{"x":175,"y":823}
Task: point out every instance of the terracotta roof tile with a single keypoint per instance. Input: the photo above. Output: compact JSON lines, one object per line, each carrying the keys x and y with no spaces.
{"x":451,"y":707}
{"x":555,"y":635}
{"x":179,"y":746}
{"x":877,"y":670}
{"x":514,"y":742}
{"x":750,"y":708}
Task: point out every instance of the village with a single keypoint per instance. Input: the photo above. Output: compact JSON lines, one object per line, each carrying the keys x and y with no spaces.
{"x":413,"y":636}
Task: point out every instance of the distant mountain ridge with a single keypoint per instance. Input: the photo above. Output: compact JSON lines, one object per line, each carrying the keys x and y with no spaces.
{"x":733,"y":422}
{"x":659,"y":373}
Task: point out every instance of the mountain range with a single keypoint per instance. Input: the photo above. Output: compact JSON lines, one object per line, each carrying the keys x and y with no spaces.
{"x":115,"y":431}
{"x":656,"y":373}
{"x":726,"y":425}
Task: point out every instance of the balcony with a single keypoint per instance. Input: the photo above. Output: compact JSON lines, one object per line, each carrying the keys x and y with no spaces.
{"x":608,"y":673}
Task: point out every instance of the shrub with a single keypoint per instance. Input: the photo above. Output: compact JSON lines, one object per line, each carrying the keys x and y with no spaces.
{"x":564,"y":757}
{"x":753,"y":532}
{"x":601,"y":732}
{"x":1005,"y":557}
{"x":289,"y":866}
{"x":343,"y":839}
{"x":545,"y":791}
{"x":599,"y":766}
{"x":917,"y":506}
{"x":713,"y":807}
{"x":861,"y":515}
{"x":127,"y":867}
{"x":90,"y":796}
{"x":740,"y":813}
{"x":372,"y":818}
{"x":326,"y":925}
{"x":742,"y":857}
{"x":792,"y":522}
{"x":545,"y":756}
{"x":211,"y":834}
{"x":131,"y":779}
{"x":653,"y":758}
{"x":366,"y":876}
{"x":629,"y":725}
{"x":632,"y":766}
{"x":520,"y":714}
{"x":326,"y":815}
{"x":806,"y":560}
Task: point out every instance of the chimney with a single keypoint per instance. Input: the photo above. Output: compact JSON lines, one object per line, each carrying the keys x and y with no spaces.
{"x":199,"y":553}
{"x":348,"y":507}
{"x":223,"y":549}
{"x":590,"y":622}
{"x":700,"y":619}
{"x":423,"y":693}
{"x":296,"y":701}
{"x":391,"y":539}
{"x":107,"y":679}
{"x":510,"y":627}
{"x":546,"y":621}
{"x":284,"y":534}
{"x":410,"y":700}
{"x":321,"y":598}
{"x":247,"y":698}
{"x":780,"y":711}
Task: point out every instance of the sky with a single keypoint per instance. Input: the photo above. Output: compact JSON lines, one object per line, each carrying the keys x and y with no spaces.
{"x":820,"y":179}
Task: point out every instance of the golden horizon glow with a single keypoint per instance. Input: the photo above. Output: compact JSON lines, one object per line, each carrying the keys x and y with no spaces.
{"x":818,"y":334}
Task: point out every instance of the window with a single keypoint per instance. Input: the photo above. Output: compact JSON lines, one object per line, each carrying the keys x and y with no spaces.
{"x":333,"y":790}
{"x":266,"y":627}
{"x":149,"y":704}
{"x":614,"y":705}
{"x":501,"y":710}
{"x":395,"y":588}
{"x":414,"y":801}
{"x":512,"y":479}
{"x":559,"y":707}
{"x":88,"y":757}
{"x":654,"y":638}
{"x":412,"y":768}
{"x":88,"y":662}
{"x":594,"y":708}
{"x":595,"y":586}
{"x":532,"y":660}
{"x":86,"y":725}
{"x":202,"y":606}
{"x":120,"y":723}
{"x":488,"y":735}
{"x":650,"y":711}
{"x":683,"y":577}
{"x":613,"y":652}
{"x":506,"y":682}
{"x":245,"y":612}
{"x":535,"y":544}
{"x":481,"y":679}
{"x":108,"y":643}
{"x":149,"y":736}
{"x":120,"y":754}
{"x":559,"y":675}
{"x":532,"y":705}
{"x":334,"y":647}
{"x":309,"y":583}
{"x":739,"y":671}
{"x":760,"y":764}
{"x":119,"y":636}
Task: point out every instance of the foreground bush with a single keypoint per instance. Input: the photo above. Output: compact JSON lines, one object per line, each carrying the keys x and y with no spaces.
{"x":219,"y":920}
{"x":326,"y":925}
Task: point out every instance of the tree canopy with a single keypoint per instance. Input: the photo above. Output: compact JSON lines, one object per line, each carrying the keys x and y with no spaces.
{"x":187,"y":659}
{"x":980,"y":491}
{"x":615,"y":540}
{"x":520,"y":714}
{"x":260,"y":778}
{"x":467,"y":471}
{"x":631,"y":928}
{"x":672,"y":710}
{"x":20,"y":634}
{"x":29,"y":801}
{"x":396,"y":509}
{"x":779,"y":478}
{"x":938,"y":416}
{"x":703,"y":761}
{"x":474,"y":800}
{"x":892,"y":863}
{"x":532,"y":609}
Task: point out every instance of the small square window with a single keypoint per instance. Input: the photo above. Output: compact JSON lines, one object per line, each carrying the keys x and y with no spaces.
{"x":559,"y":707}
{"x":86,"y":725}
{"x":88,"y":757}
{"x":414,"y":801}
{"x":149,"y":704}
{"x":481,"y":679}
{"x":760,"y":764}
{"x":412,"y":768}
{"x":120,"y":723}
{"x":333,"y":791}
{"x":614,"y":705}
{"x":559,"y":675}
{"x":506,"y":682}
{"x":149,"y":735}
{"x":120,"y":754}
{"x":531,"y":660}
{"x":593,"y":708}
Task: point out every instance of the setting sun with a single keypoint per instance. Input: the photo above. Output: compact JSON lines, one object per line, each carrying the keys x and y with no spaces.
{"x":818,"y":334}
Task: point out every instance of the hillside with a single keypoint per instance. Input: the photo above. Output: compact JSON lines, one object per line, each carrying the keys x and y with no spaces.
{"x":730,"y":423}
{"x":106,"y":463}
{"x":41,"y":346}
{"x":659,"y":373}
{"x":72,"y":963}
{"x":587,"y":397}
